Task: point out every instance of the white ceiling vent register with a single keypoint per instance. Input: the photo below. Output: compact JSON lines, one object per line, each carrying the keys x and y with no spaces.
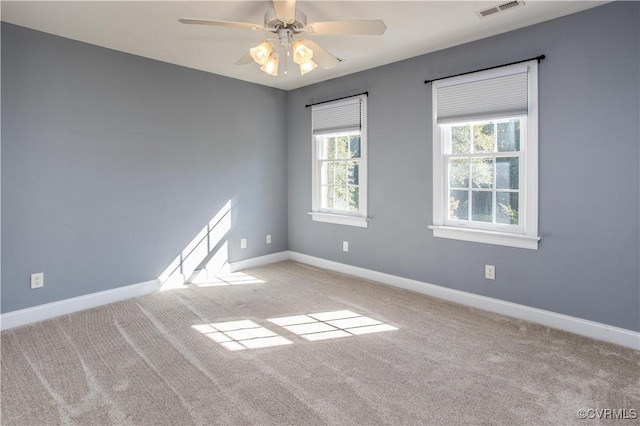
{"x":500,"y":8}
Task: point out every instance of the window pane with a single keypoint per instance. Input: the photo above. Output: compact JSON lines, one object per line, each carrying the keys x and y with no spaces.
{"x":342,"y":147}
{"x":509,"y":136}
{"x":507,"y":173}
{"x":327,"y":173}
{"x":481,"y":202}
{"x":507,"y":208}
{"x":354,"y":198}
{"x":331,"y":151}
{"x":323,"y":144}
{"x":460,"y":139}
{"x":483,"y":137}
{"x":482,"y":172}
{"x":459,"y":173}
{"x":459,"y":205}
{"x":354,"y":146}
{"x":340,"y":196}
{"x":353,"y":170}
{"x":340,"y":173}
{"x":326,"y":197}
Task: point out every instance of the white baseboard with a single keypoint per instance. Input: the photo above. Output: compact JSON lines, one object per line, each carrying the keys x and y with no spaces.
{"x":595,"y":330}
{"x":259,"y":261}
{"x":67,"y":306}
{"x":62,"y":307}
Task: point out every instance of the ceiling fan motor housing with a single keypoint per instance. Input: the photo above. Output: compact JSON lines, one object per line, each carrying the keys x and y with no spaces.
{"x":273,"y":24}
{"x":285,"y":36}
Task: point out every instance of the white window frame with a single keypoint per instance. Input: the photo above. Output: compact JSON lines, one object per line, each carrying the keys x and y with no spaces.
{"x":341,"y":217}
{"x":525,"y":235}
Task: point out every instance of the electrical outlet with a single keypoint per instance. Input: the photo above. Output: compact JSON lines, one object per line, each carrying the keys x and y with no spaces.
{"x":268,"y":238}
{"x":490,"y":272}
{"x":243,"y":243}
{"x":37,"y":280}
{"x":345,"y":246}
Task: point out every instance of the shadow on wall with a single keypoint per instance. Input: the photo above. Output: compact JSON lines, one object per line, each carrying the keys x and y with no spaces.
{"x":207,"y":253}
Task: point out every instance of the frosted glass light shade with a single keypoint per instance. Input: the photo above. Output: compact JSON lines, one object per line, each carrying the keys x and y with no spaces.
{"x":261,"y":52}
{"x":307,"y":67}
{"x":301,"y":53}
{"x":271,"y":65}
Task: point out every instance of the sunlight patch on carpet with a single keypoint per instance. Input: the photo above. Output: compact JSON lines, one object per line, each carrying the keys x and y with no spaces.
{"x":231,"y":278}
{"x":331,"y":325}
{"x":241,"y":335}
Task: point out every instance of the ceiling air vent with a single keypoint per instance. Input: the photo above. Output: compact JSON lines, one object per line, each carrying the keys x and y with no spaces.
{"x":499,"y":8}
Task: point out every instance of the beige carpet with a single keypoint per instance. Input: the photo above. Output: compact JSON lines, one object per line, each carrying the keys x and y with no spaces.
{"x":295,"y":345}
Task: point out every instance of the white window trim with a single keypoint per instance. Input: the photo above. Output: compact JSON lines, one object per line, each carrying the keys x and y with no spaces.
{"x":529,"y":238}
{"x":358,"y":219}
{"x":340,"y":219}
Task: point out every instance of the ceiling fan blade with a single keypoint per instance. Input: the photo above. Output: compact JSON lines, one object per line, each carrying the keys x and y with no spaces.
{"x":321,"y":56}
{"x":285,"y":10}
{"x":363,"y":27}
{"x":255,"y":27}
{"x":246,"y":59}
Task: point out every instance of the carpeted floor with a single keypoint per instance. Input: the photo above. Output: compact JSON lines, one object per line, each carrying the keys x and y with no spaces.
{"x":295,"y":345}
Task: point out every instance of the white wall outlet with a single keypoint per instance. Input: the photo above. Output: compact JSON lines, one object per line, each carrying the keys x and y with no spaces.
{"x":345,"y":246}
{"x":268,"y":238}
{"x":37,"y":280}
{"x":243,"y":243}
{"x":490,"y":272}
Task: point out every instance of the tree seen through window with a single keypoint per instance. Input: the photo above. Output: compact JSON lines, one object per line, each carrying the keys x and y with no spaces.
{"x":484,"y":168}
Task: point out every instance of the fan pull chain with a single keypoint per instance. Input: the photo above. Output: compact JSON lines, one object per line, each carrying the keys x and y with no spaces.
{"x":287,"y":48}
{"x":286,"y":60}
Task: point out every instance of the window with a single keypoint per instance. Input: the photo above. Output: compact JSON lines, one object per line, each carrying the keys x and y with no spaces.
{"x":485,"y":157}
{"x":339,"y":181}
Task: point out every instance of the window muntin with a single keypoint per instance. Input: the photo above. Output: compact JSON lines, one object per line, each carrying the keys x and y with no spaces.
{"x":482,"y":163}
{"x":339,"y":165}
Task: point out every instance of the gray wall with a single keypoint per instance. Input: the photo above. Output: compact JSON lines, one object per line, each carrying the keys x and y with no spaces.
{"x":587,"y":264}
{"x":111,"y":163}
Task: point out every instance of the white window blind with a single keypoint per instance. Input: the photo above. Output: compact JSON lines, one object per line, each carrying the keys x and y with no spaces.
{"x":339,"y":116}
{"x":496,"y":94}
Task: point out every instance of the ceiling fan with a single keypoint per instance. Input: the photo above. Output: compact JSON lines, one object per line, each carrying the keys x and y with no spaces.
{"x":287,"y":23}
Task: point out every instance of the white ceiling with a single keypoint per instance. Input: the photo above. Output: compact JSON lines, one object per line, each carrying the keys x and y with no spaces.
{"x":151,"y":29}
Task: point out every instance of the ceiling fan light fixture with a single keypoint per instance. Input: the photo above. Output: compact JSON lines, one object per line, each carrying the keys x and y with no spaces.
{"x":271,"y":65}
{"x":307,"y":67}
{"x":287,"y":23}
{"x":301,"y":53}
{"x":261,"y":52}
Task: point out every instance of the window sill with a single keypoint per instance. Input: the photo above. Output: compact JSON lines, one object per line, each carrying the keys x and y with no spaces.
{"x":486,"y":237}
{"x":340,"y":219}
